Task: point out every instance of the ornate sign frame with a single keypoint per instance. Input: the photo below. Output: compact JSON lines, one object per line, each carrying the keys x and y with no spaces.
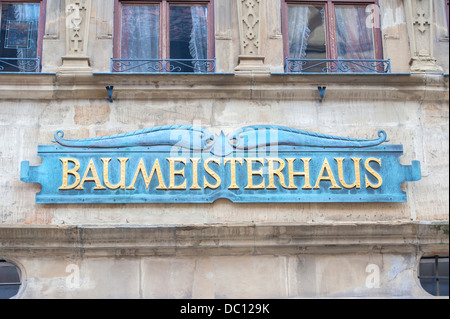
{"x":187,"y":164}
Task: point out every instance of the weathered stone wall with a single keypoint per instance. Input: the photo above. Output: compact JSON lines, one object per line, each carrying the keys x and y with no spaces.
{"x":221,"y":277}
{"x":408,"y":116}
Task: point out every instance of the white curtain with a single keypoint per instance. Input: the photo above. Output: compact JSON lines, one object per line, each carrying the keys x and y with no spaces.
{"x":299,"y":31}
{"x":198,"y":43}
{"x":354,"y":39}
{"x":140,"y":34}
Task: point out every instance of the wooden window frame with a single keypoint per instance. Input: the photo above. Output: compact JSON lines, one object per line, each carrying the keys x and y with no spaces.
{"x":41,"y":26}
{"x":330,"y":25}
{"x":164,"y":25}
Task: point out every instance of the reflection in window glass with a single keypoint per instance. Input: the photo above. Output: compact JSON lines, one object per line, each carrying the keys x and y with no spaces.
{"x":9,"y":280}
{"x":19,"y":31}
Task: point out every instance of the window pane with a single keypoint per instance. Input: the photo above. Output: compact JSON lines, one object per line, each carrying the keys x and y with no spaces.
{"x":188,"y":34}
{"x":354,"y":38}
{"x":307,"y":39}
{"x":306,"y":32}
{"x":140,"y":32}
{"x":9,"y":280}
{"x":19,"y":32}
{"x":429,"y":285}
{"x":437,"y":285}
{"x":443,"y":287}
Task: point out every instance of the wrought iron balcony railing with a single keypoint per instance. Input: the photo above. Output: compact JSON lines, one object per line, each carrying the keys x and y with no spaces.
{"x":20,"y":65}
{"x":163,"y":65}
{"x":337,"y":66}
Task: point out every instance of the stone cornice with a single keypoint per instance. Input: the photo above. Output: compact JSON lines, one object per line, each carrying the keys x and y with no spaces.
{"x":372,"y":87}
{"x":223,"y":239}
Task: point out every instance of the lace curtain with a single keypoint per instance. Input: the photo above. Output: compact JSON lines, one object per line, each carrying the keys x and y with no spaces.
{"x":298,"y":31}
{"x":354,"y":39}
{"x":198,"y":43}
{"x":140,"y":35}
{"x":306,"y":25}
{"x":187,"y":37}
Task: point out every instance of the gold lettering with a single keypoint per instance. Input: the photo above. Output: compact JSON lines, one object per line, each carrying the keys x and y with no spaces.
{"x":121,"y":184}
{"x":330,"y":176}
{"x":147,"y":178}
{"x":195,"y":173}
{"x":66,"y":172}
{"x":357,"y":182}
{"x":233,"y":161}
{"x":174,"y":172}
{"x":372,"y":171}
{"x":251,"y":172}
{"x":305,"y":173}
{"x":94,"y":178}
{"x":277,"y":172}
{"x":212,"y":173}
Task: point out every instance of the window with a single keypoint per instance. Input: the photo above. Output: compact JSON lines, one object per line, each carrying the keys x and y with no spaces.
{"x":9,"y":280}
{"x":332,"y":36}
{"x":163,"y":36}
{"x":21,"y":35}
{"x":433,"y":275}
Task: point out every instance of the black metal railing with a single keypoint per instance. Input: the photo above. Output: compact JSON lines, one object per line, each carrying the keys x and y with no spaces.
{"x":337,"y":66}
{"x":163,"y":65}
{"x":20,"y":65}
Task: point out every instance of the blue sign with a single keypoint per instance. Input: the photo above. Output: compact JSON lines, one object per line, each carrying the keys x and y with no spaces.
{"x":186,"y":164}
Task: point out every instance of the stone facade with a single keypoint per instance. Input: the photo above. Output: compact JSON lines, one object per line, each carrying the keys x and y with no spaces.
{"x":226,"y":250}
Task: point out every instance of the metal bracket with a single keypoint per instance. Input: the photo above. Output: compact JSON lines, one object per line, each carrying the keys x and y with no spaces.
{"x":110,"y":89}
{"x":321,"y":92}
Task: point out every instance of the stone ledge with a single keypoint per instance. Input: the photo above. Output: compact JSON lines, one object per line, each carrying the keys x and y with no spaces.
{"x":218,"y":239}
{"x":230,"y":86}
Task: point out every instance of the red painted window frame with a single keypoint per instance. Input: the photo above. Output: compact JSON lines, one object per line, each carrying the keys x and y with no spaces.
{"x":163,"y":24}
{"x":330,"y":25}
{"x":41,"y":27}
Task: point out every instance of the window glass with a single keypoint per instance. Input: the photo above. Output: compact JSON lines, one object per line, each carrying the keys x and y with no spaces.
{"x":433,"y":275}
{"x":9,"y":280}
{"x":19,"y":31}
{"x":332,"y":37}
{"x":354,"y":39}
{"x":306,"y":32}
{"x":307,"y":39}
{"x":171,"y":36}
{"x":140,"y":32}
{"x":188,"y":33}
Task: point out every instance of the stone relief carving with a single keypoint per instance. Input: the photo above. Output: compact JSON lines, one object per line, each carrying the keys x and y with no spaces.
{"x":76,"y":61}
{"x":77,"y":25}
{"x":249,"y":14}
{"x":419,"y":21}
{"x":250,"y":26}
